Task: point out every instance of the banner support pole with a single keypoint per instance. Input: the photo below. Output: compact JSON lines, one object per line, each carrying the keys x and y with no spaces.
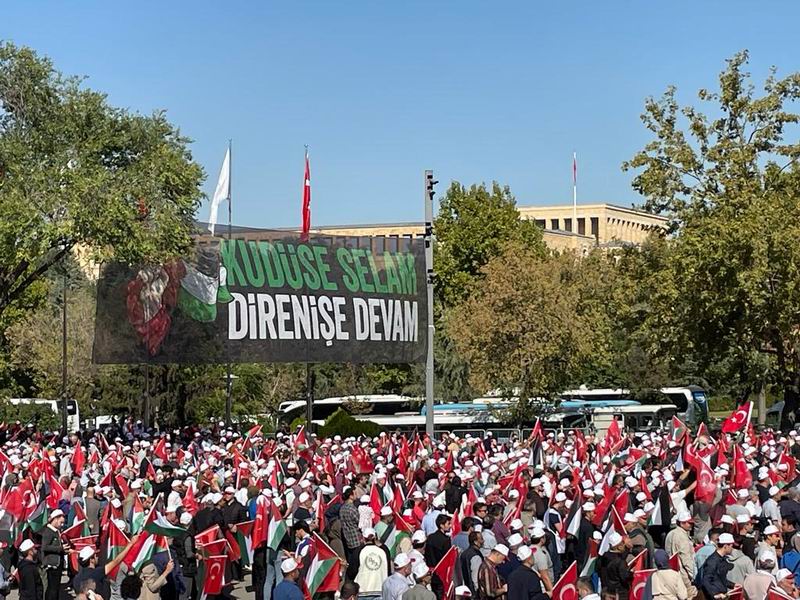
{"x":229,"y":381}
{"x":429,"y":183}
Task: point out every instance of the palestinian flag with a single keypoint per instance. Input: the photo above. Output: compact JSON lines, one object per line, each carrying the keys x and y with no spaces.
{"x":137,"y":516}
{"x":677,"y":429}
{"x":591,"y":562}
{"x":662,"y":512}
{"x":248,"y":437}
{"x":78,"y":529}
{"x":145,"y":548}
{"x":160,"y":526}
{"x":38,"y":520}
{"x":323,"y":569}
{"x":244,"y":540}
{"x":117,"y":541}
{"x":391,"y":536}
{"x":277,"y":528}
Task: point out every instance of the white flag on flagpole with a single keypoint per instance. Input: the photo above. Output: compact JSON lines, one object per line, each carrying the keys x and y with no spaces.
{"x":223,"y":191}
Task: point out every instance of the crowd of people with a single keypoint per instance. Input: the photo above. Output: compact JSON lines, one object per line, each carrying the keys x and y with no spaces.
{"x":668,"y":514}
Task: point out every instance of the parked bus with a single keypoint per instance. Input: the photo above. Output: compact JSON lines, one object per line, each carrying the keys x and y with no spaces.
{"x":73,"y":412}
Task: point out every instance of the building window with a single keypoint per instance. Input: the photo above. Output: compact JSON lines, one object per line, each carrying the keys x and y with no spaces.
{"x":595,"y":228}
{"x":582,"y":226}
{"x":567,"y":224}
{"x":392,"y":245}
{"x":553,"y":223}
{"x":541,"y":223}
{"x":379,"y":244}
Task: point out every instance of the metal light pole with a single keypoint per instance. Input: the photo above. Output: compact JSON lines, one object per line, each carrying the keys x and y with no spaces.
{"x":64,"y":351}
{"x":429,"y":183}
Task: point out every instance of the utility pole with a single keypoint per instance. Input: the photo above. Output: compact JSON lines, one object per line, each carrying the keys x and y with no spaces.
{"x":429,"y":192}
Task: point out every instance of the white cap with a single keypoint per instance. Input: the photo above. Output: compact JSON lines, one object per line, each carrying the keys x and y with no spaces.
{"x":463,"y":590}
{"x":368,"y":532}
{"x":561,"y":497}
{"x":25,"y":546}
{"x":771,"y":530}
{"x":401,"y":560}
{"x":418,"y":536}
{"x":56,"y":513}
{"x":614,"y":539}
{"x":724,"y":538}
{"x":420,"y":570}
{"x":524,"y":553}
{"x":742,"y":519}
{"x":513,"y":494}
{"x":742,"y":494}
{"x":230,"y":490}
{"x":364,"y":499}
{"x":782,"y":574}
{"x":186,"y":518}
{"x":288,"y":565}
{"x":589,"y":507}
{"x":502,"y":549}
{"x":683,"y":516}
{"x":629,"y":518}
{"x":774,"y":490}
{"x":537,"y":532}
{"x":514,"y":539}
{"x":516,"y":525}
{"x":386,"y":511}
{"x":86,"y":553}
{"x":304,"y":497}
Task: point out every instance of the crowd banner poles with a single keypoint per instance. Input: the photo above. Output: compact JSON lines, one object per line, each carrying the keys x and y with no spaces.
{"x":229,"y":381}
{"x":309,"y":396}
{"x":429,"y":183}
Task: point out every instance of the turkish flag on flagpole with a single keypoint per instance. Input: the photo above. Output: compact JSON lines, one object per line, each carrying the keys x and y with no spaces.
{"x":306,"y":199}
{"x":445,"y":569}
{"x":565,"y":588}
{"x":214,"y":575}
{"x":739,"y":418}
{"x":78,"y":459}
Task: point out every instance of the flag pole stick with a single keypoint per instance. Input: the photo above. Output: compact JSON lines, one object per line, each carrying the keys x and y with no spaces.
{"x":309,"y":373}
{"x":228,"y":380}
{"x":575,"y":192}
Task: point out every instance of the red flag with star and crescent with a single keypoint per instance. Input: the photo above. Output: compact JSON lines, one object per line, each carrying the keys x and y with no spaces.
{"x":565,"y":588}
{"x":739,"y":419}
{"x":306,"y":199}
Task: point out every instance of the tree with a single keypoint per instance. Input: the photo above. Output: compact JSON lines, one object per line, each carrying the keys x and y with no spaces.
{"x":730,"y":183}
{"x":530,"y":325}
{"x":472,"y":226}
{"x":76,"y":172}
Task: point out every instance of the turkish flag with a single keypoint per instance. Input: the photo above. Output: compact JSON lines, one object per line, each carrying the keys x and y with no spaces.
{"x":78,"y":459}
{"x":739,"y":418}
{"x":445,"y":569}
{"x":706,"y":483}
{"x":565,"y":589}
{"x":637,"y":564}
{"x":214,"y":575}
{"x":742,"y":477}
{"x":306,"y":210}
{"x":675,"y":562}
{"x":639,"y":582}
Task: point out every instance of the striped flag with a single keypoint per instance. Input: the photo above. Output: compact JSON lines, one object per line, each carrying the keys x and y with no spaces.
{"x":277,"y":528}
{"x":160,"y":526}
{"x":323,"y":570}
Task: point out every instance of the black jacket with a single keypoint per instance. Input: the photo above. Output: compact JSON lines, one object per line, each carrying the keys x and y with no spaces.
{"x":205,"y":518}
{"x":524,"y":584}
{"x":30,"y":582}
{"x":52,"y":548}
{"x":715,"y":575}
{"x":465,"y":558}
{"x":436,"y":547}
{"x":615,"y":575}
{"x":585,"y":531}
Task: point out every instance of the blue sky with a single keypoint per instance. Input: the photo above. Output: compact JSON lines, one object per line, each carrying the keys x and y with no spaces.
{"x":381,"y":90}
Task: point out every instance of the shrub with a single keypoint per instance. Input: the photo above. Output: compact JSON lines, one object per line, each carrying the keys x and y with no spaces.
{"x":341,"y":423}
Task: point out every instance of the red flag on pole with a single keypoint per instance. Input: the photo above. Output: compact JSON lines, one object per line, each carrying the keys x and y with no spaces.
{"x":444,"y":570}
{"x":565,"y":588}
{"x":739,"y":418}
{"x":78,"y":459}
{"x":639,"y":582}
{"x":214,"y":575}
{"x":706,"y":483}
{"x":306,"y":199}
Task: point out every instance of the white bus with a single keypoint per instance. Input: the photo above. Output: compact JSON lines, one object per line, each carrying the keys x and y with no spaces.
{"x":73,"y":412}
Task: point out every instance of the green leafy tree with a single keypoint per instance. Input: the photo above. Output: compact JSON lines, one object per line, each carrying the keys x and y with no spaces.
{"x":730,"y":182}
{"x":530,"y":325}
{"x":473,"y":226}
{"x":76,"y":172}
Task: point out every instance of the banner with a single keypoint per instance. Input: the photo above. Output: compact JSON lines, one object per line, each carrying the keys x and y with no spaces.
{"x":267,"y":296}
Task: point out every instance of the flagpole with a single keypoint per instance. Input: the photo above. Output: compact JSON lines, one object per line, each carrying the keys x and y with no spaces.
{"x":575,"y":193}
{"x":309,"y":373}
{"x":229,"y":381}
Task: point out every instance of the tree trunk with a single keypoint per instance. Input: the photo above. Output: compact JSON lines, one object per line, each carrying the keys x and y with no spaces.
{"x":791,"y":402}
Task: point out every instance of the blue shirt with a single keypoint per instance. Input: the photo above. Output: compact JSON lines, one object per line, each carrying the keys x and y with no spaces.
{"x":287,"y":590}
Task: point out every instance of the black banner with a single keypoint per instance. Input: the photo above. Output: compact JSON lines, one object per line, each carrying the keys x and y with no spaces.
{"x":268,"y":296}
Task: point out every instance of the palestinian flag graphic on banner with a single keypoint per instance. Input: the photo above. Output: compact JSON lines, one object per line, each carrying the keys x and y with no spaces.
{"x":202,"y":287}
